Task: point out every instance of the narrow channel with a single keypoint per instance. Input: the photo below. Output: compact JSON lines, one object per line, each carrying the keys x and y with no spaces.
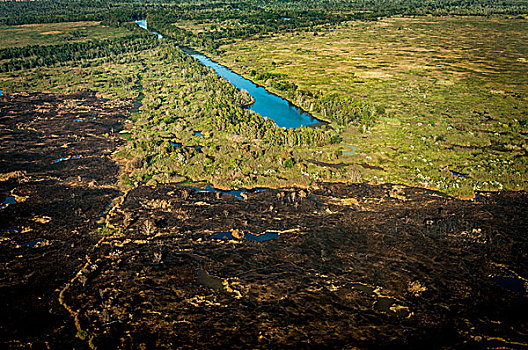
{"x":267,"y":104}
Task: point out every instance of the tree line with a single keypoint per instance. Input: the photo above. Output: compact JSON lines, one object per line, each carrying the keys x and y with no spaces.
{"x":31,"y":56}
{"x":252,"y":15}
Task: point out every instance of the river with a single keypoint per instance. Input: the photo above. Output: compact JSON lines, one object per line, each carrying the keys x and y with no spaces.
{"x":267,"y":104}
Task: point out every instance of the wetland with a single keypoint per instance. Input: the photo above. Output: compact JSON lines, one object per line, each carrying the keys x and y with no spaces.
{"x":149,"y":201}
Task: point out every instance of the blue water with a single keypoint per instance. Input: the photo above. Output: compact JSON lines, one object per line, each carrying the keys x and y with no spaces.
{"x":179,"y":145}
{"x":456,"y":174}
{"x":269,"y":105}
{"x":12,"y":230}
{"x":78,"y":120}
{"x":1,"y":92}
{"x":197,"y":133}
{"x":235,"y":193}
{"x":33,"y":244}
{"x":248,"y":236}
{"x":266,"y":104}
{"x":8,"y":200}
{"x":143,"y":24}
{"x":65,"y":158}
{"x":222,"y":235}
{"x":261,"y":238}
{"x":209,"y":188}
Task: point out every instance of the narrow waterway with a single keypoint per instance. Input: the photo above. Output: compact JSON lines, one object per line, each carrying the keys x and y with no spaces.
{"x":143,"y":24}
{"x":267,"y":104}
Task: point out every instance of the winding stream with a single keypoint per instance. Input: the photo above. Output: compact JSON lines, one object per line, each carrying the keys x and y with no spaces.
{"x":143,"y":24}
{"x":269,"y":105}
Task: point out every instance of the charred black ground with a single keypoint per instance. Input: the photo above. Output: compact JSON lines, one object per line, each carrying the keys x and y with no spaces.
{"x":354,"y":265}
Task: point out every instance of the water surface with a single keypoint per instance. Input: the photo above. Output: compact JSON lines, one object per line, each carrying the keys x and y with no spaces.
{"x":266,"y":236}
{"x":236,"y":193}
{"x":143,"y":24}
{"x":7,"y":201}
{"x":511,"y":281}
{"x":62,"y":159}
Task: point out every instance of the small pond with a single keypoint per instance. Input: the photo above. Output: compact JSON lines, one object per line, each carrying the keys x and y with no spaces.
{"x":62,"y":159}
{"x":266,"y":236}
{"x":235,"y":193}
{"x":510,"y":281}
{"x":7,"y":201}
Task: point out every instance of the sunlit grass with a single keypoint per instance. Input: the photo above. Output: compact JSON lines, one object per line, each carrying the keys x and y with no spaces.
{"x":57,"y":33}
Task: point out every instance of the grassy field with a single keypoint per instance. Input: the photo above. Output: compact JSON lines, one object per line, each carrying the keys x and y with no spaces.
{"x":111,"y":80}
{"x":455,"y":89}
{"x":56,"y":33}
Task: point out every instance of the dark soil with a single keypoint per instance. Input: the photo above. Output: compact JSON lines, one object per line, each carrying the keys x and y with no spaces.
{"x":354,"y":265}
{"x":59,"y":202}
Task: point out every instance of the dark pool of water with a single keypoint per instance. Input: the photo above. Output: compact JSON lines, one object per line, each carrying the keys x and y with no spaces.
{"x":179,"y":145}
{"x":222,"y":235}
{"x":12,"y":230}
{"x":208,"y":188}
{"x":235,"y":193}
{"x":261,"y":238}
{"x":457,"y":174}
{"x":7,"y":201}
{"x":510,"y":281}
{"x":34,"y":244}
{"x":248,"y":236}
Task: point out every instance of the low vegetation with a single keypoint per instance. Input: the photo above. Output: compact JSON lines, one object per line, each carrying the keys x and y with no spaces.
{"x":57,"y":33}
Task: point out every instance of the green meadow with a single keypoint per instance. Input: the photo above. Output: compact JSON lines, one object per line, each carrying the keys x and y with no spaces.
{"x":455,"y":92}
{"x":56,"y":33}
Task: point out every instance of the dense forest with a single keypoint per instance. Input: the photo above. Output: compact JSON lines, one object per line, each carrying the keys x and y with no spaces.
{"x":250,"y":12}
